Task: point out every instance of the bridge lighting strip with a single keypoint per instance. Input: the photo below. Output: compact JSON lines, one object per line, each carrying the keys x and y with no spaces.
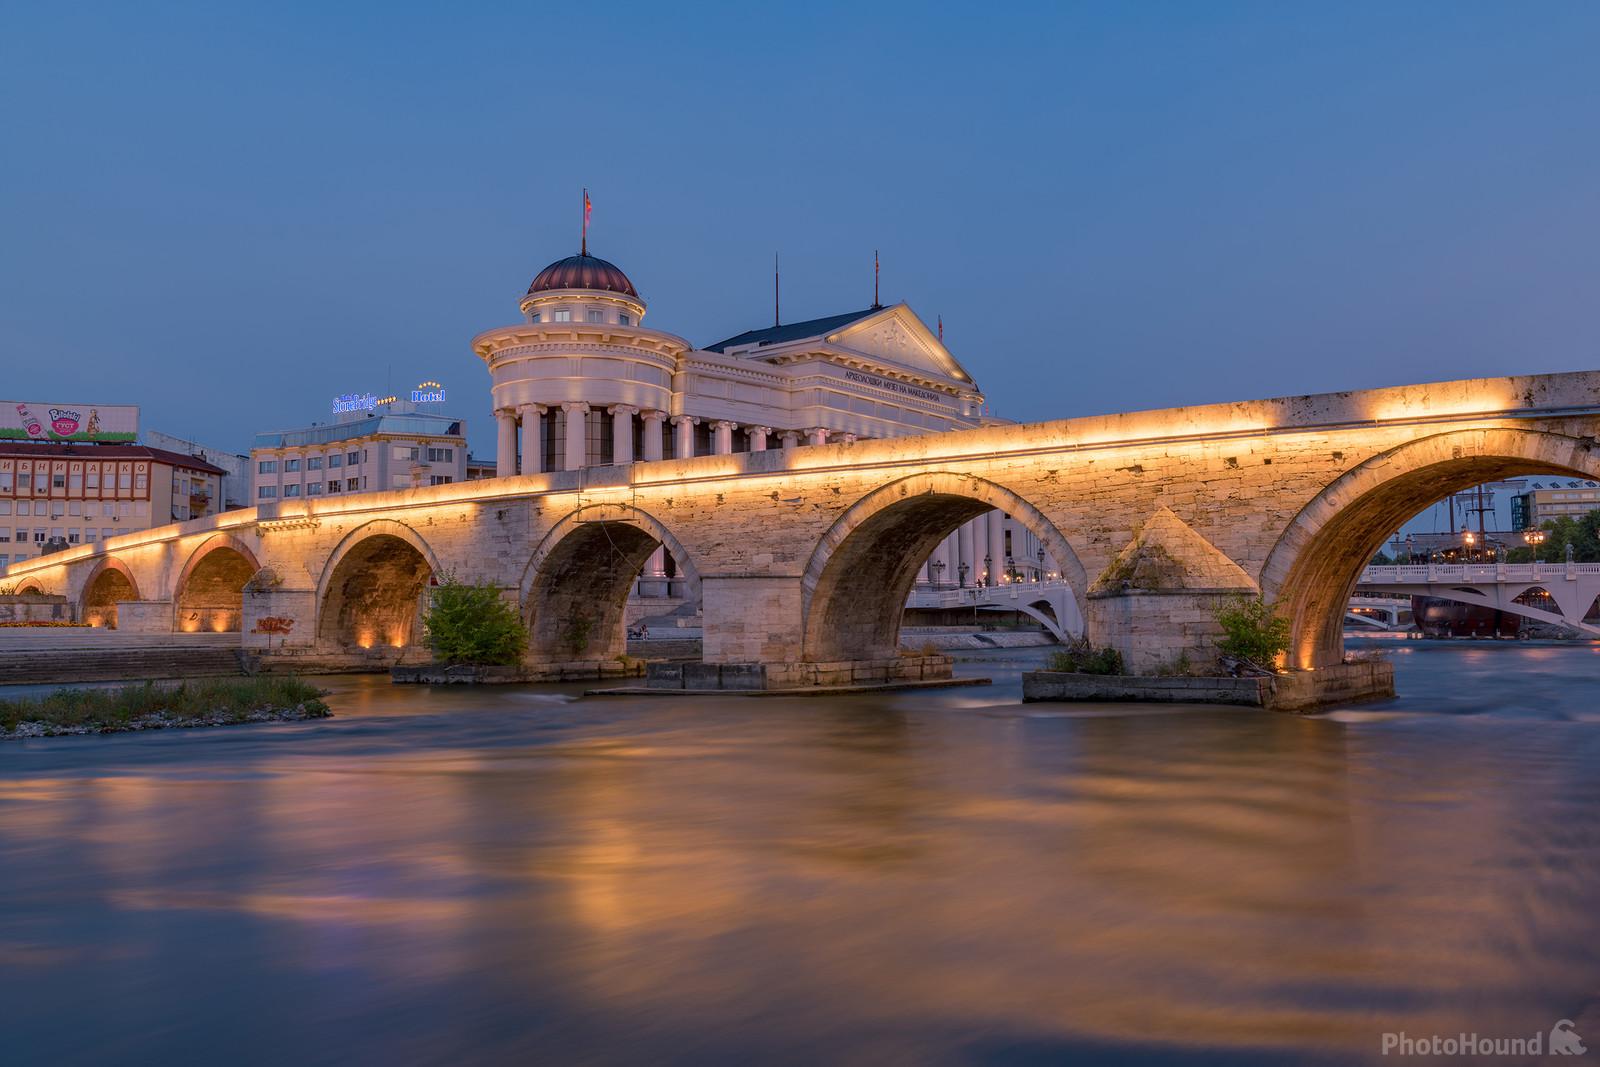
{"x":470,"y":493}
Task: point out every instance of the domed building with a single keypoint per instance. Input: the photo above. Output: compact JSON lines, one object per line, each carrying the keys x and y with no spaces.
{"x":581,"y":381}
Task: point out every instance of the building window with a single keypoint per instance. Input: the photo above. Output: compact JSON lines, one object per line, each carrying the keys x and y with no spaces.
{"x":333,"y":485}
{"x":291,"y":464}
{"x":267,"y":492}
{"x":441,"y":455}
{"x":561,"y":316}
{"x":335,"y":460}
{"x":403,"y":452}
{"x":440,"y":479}
{"x":58,"y":481}
{"x":24,"y":480}
{"x":313,"y":489}
{"x":72,"y":537}
{"x":623,"y":320}
{"x":89,"y":535}
{"x":536,"y":317}
{"x":596,"y":316}
{"x":314,"y":463}
{"x":291,"y":490}
{"x":353,"y":458}
{"x":267,"y":466}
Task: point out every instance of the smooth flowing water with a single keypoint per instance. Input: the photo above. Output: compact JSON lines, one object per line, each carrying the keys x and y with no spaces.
{"x":467,"y":876}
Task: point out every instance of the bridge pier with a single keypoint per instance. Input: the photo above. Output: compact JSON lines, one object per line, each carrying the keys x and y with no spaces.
{"x":1153,"y":630}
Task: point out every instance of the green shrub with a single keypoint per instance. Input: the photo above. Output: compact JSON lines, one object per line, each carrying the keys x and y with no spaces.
{"x":1083,"y":658}
{"x":1252,"y":630}
{"x":473,"y":624}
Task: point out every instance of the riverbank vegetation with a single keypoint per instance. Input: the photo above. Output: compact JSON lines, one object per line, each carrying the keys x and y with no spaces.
{"x":149,"y":705}
{"x":473,"y":624}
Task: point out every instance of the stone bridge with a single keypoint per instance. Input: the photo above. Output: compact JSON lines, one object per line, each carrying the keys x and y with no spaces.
{"x":804,"y":558}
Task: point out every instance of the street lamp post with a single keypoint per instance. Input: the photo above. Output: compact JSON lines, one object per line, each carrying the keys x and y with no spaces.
{"x":937,"y":567}
{"x":988,"y":570}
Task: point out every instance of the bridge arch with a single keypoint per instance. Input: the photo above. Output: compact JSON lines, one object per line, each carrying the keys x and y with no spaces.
{"x":108,"y":582}
{"x":1314,"y":566}
{"x":29,"y":585}
{"x":370,"y":592}
{"x":857,"y":580}
{"x":209,"y":593}
{"x":574,"y":589}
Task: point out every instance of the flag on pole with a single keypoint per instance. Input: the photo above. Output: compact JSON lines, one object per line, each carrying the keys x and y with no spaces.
{"x":941,"y":327}
{"x":588,"y":208}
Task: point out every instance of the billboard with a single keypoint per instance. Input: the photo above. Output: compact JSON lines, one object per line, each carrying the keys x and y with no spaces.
{"x":40,"y":421}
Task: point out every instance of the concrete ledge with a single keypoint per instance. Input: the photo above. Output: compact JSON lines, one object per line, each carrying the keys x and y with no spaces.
{"x":750,"y":677}
{"x":798,"y":691}
{"x":1296,"y":691}
{"x":467,"y":674}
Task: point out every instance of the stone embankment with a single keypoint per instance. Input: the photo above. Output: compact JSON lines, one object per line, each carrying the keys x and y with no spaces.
{"x":1293,"y":691}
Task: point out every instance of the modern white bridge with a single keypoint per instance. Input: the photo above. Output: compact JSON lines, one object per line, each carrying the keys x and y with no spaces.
{"x":1050,"y":602}
{"x":1572,"y":587}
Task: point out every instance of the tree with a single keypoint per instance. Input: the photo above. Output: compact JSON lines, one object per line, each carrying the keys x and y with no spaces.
{"x":1252,"y":630}
{"x":473,"y":624}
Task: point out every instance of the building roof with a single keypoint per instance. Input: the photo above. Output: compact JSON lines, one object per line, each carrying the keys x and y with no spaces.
{"x":794,"y":331}
{"x":414,"y":424}
{"x":23,"y":450}
{"x":583,"y":272}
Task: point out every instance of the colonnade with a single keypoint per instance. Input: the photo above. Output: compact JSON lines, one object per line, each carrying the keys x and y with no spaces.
{"x":977,"y":552}
{"x":521,"y":436}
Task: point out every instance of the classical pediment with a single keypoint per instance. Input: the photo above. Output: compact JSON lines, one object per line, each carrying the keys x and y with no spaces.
{"x":896,"y":336}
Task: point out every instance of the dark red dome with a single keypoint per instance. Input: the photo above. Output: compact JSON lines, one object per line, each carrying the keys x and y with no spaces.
{"x":583,"y":272}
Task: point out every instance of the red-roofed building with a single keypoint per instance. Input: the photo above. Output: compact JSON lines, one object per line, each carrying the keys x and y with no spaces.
{"x":58,"y":495}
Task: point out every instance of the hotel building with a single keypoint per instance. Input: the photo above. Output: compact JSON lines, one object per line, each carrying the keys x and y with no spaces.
{"x":393,"y":446}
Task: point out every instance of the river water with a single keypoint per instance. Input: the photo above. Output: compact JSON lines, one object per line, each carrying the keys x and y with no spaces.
{"x":480,"y":876}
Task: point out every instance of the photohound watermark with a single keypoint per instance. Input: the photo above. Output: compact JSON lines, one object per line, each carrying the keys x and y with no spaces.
{"x":1562,"y":1040}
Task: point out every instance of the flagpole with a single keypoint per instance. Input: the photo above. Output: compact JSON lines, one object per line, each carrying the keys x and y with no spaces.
{"x":875,"y":301}
{"x":583,"y":210}
{"x":776,"y":320}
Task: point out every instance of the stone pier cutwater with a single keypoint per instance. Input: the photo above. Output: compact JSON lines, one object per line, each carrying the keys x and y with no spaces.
{"x":803,"y":558}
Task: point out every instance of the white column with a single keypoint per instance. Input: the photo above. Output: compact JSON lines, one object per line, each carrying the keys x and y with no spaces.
{"x":652,"y":436}
{"x":683,"y":436}
{"x":657,"y":567}
{"x":997,"y":540}
{"x":817,"y":435}
{"x":758,"y":437}
{"x":980,"y":550}
{"x":622,"y":433}
{"x":577,"y":434}
{"x":790,"y":439}
{"x":505,"y":453}
{"x":722,"y":437}
{"x":964,"y":544}
{"x":532,"y":439}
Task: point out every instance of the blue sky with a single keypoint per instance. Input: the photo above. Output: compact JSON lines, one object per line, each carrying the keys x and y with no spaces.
{"x":229,"y":214}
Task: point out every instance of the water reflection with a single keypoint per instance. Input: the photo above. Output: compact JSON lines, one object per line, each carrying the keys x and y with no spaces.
{"x":439,"y":876}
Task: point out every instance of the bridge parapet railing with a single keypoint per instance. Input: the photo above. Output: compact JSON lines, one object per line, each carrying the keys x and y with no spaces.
{"x":1472,"y":573}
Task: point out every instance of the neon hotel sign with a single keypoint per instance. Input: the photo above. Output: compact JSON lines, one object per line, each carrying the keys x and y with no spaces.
{"x":429,"y":392}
